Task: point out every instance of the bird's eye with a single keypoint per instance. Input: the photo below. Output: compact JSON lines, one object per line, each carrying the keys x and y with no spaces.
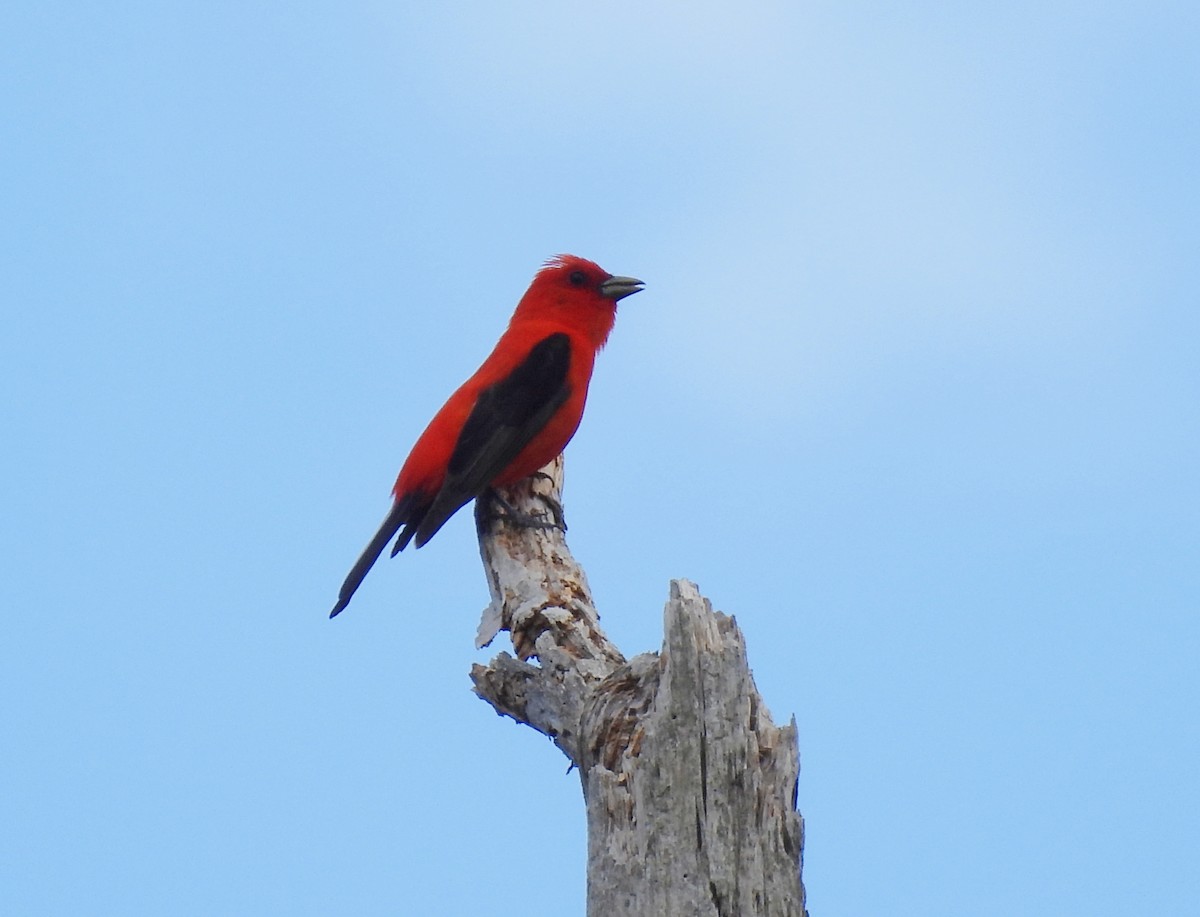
{"x":577,"y":278}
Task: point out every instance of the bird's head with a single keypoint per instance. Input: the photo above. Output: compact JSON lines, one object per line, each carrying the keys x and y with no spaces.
{"x":578,"y":293}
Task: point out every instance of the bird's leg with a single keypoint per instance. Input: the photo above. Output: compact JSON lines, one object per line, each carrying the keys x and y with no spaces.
{"x":516,"y":517}
{"x":552,"y":504}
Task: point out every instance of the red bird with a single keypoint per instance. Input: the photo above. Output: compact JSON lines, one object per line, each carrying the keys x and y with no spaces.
{"x":513,"y":416}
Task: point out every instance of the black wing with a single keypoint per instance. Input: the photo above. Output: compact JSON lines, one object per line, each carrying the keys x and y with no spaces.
{"x":506,"y":417}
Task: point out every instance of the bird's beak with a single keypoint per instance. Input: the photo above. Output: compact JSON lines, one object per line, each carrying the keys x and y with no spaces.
{"x":620,"y":287}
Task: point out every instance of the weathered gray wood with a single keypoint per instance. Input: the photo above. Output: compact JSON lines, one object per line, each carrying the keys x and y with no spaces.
{"x":690,"y":789}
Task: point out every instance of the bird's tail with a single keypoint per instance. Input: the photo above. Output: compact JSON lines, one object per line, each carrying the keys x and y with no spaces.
{"x":398,"y":516}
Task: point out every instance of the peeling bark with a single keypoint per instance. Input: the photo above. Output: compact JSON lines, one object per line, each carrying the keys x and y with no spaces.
{"x":690,"y":788}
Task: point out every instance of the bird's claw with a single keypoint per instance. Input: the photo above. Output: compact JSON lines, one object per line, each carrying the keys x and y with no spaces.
{"x":528,"y":520}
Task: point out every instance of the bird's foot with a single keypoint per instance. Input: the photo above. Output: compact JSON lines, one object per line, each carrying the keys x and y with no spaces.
{"x":528,"y":520}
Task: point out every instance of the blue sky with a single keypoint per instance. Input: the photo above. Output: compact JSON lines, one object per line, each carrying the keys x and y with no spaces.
{"x":911,"y":391}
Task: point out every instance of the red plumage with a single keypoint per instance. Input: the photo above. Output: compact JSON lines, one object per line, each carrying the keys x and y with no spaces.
{"x":514,"y":415}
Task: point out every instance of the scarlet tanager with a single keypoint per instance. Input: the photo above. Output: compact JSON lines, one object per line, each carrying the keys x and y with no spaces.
{"x":514,"y":415}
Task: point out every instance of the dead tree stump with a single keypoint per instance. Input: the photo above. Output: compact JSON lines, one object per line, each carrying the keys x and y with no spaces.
{"x":690,"y":788}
